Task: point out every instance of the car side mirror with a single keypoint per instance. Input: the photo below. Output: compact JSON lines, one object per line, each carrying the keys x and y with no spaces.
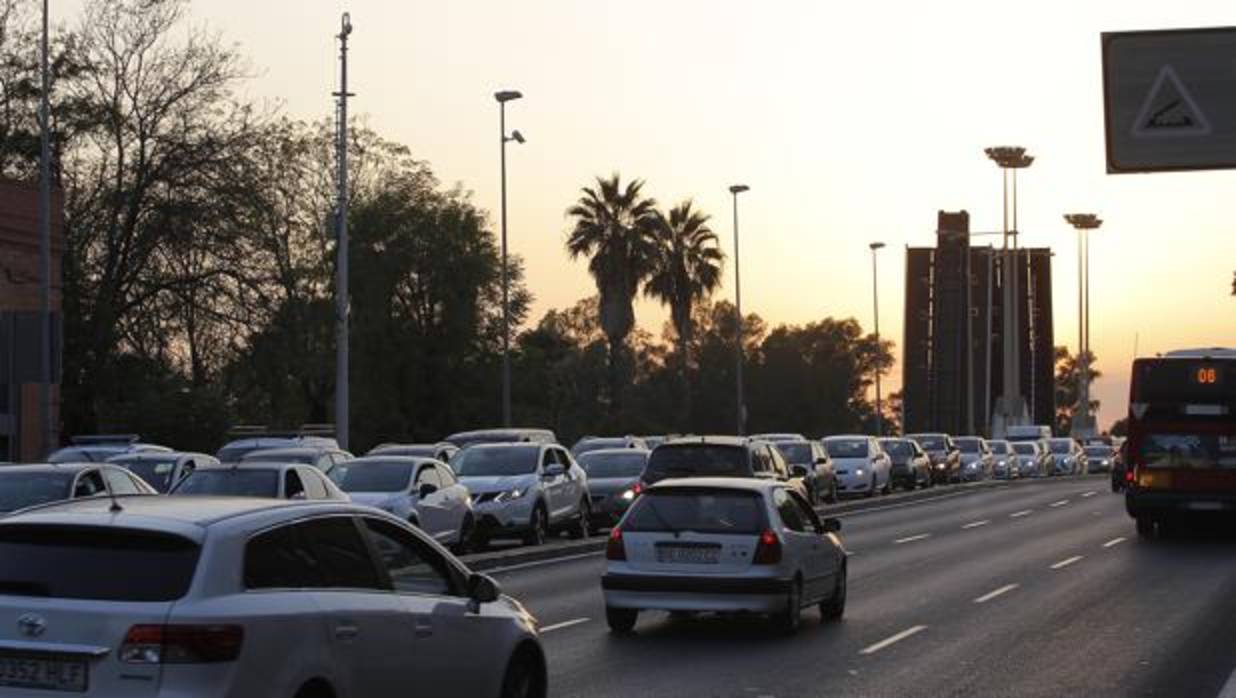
{"x":482,"y":589}
{"x":798,"y":470}
{"x":832,"y":525}
{"x":554,"y":470}
{"x":426,"y":490}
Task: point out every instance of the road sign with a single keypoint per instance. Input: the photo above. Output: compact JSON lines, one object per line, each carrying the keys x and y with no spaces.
{"x":1170,"y":100}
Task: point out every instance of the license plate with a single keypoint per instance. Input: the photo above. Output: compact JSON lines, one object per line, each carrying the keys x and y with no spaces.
{"x":1204,"y":506}
{"x":689,"y":555}
{"x":42,"y":673}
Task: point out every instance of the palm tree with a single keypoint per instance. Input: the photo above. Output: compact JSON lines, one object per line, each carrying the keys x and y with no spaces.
{"x":686,"y":269}
{"x":613,"y":227}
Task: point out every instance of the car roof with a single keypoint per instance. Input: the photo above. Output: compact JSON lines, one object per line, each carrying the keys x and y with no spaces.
{"x":251,"y":465}
{"x":154,"y":455}
{"x":615,"y":452}
{"x":711,"y":440}
{"x":845,"y":436}
{"x":276,"y":452}
{"x":379,"y":458}
{"x":67,"y":468}
{"x":748,"y":484}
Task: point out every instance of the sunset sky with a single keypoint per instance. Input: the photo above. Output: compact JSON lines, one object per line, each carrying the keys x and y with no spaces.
{"x":851,"y":123}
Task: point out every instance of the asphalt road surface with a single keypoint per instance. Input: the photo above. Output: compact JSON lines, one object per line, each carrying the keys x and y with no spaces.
{"x":1038,"y":589}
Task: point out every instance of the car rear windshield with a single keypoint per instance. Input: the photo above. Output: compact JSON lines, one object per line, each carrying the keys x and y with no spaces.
{"x":931,"y":443}
{"x":1193,"y":451}
{"x":157,"y":474}
{"x":230,"y":483}
{"x":613,"y":465}
{"x":796,"y":453}
{"x":104,"y":564}
{"x":898,"y":448}
{"x":697,"y":460}
{"x":698,"y":510}
{"x":376,"y":477}
{"x":26,"y":489}
{"x":846,"y":448}
{"x":497,"y":461}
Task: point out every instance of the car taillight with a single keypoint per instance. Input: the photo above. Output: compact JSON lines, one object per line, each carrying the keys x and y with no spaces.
{"x":768,"y":550}
{"x":614,"y":549}
{"x":638,"y":489}
{"x":181,"y":644}
{"x":1130,"y":475}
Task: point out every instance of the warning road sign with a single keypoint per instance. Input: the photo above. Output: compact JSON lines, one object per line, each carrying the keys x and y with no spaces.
{"x":1170,"y":99}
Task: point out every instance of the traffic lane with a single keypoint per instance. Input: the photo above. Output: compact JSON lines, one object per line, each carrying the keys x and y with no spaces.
{"x":557,"y":591}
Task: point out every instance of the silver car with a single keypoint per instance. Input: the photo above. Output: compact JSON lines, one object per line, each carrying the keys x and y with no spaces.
{"x":723,"y":545}
{"x":162,"y":470}
{"x":976,"y":460}
{"x":1006,"y":463}
{"x":861,"y":465}
{"x":266,"y":480}
{"x":1034,"y":459}
{"x":33,"y":484}
{"x":443,"y":451}
{"x":236,"y":598}
{"x":613,"y":481}
{"x":422,"y":491}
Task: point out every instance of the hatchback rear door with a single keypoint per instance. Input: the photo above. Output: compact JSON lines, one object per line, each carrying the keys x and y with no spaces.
{"x":694,"y":530}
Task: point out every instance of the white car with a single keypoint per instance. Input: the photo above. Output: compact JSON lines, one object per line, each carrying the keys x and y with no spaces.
{"x":33,"y":484}
{"x":237,"y":598}
{"x":861,"y":466}
{"x":267,"y":480}
{"x":723,"y":545}
{"x":421,"y":491}
{"x":162,"y":470}
{"x":524,"y":490}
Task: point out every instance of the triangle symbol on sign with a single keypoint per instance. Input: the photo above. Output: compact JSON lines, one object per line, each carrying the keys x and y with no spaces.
{"x":1170,"y":110}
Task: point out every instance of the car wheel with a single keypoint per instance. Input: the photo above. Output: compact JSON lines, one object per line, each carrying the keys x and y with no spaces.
{"x":834,"y":608}
{"x":467,"y":536}
{"x":1145,"y":527}
{"x":582,"y":527}
{"x":537,"y":526}
{"x":788,"y":620}
{"x":523,"y":678}
{"x":621,"y":621}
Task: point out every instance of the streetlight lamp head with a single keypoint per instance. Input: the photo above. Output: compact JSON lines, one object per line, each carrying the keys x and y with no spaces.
{"x":346,"y":25}
{"x":1009,"y":156}
{"x":1083,"y":221}
{"x":739,"y":188}
{"x":876,"y":246}
{"x":517,"y":136}
{"x":507,"y":95}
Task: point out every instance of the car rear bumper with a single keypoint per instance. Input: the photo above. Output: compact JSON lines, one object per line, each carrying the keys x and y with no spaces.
{"x":1153,"y":504}
{"x":681,"y":593}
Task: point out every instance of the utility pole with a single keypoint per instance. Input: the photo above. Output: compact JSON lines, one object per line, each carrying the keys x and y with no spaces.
{"x":742,"y":408}
{"x":875,"y":297}
{"x":341,"y":242}
{"x":48,"y":431}
{"x":503,"y":97}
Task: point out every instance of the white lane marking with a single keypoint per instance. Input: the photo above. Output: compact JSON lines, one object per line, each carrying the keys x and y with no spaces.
{"x":911,"y":539}
{"x":1088,"y":494}
{"x":909,"y":632}
{"x":541,"y":563}
{"x":1060,"y":503}
{"x":564,"y":624}
{"x":1229,"y":689}
{"x":1019,"y":514}
{"x":998,"y":592}
{"x":1114,"y":541}
{"x":976,"y":524}
{"x":1066,"y":562}
{"x":919,"y":502}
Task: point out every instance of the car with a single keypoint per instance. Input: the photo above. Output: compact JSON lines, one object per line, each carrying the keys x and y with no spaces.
{"x":596,"y":443}
{"x":442,"y":451}
{"x":911,"y":466}
{"x":862,"y":467}
{"x":255,"y":438}
{"x":322,"y":456}
{"x":162,"y":469}
{"x":422,"y":491}
{"x":725,"y":545}
{"x":715,"y":456}
{"x":96,"y":449}
{"x":32,"y":484}
{"x":809,"y":464}
{"x":945,"y":458}
{"x":1100,"y":458}
{"x":265,"y":480}
{"x":465,"y":439}
{"x":1067,"y":455}
{"x":1035,"y":459}
{"x":613,"y":478}
{"x":526,"y":490}
{"x":239,"y":597}
{"x":976,"y":460}
{"x":779,"y":436}
{"x":1006,"y":462}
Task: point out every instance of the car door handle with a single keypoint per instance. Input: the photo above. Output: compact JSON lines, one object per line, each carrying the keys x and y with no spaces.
{"x":346,"y":632}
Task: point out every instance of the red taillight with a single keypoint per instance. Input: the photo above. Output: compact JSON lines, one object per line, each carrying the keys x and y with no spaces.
{"x":181,"y":644}
{"x":1130,"y":475}
{"x":614,"y":549}
{"x":638,"y":489}
{"x":768,"y":550}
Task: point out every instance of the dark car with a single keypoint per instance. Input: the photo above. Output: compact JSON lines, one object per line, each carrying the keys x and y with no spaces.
{"x":944,"y":454}
{"x":714,"y":456}
{"x":911,"y":465}
{"x":613,"y":474}
{"x":810,"y":463}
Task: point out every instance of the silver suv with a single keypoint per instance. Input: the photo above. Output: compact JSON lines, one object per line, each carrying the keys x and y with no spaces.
{"x":524,"y":490}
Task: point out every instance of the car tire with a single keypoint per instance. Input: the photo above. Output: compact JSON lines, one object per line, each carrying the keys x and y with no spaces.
{"x":523,"y":677}
{"x":467,"y":536}
{"x":621,"y":621}
{"x":834,"y":608}
{"x":316,"y":688}
{"x":1145,"y":527}
{"x":582,"y":528}
{"x":791,"y":618}
{"x":538,"y":526}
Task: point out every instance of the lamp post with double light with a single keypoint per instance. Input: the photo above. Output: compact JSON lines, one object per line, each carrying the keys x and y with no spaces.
{"x":1083,"y":223}
{"x":503,"y":97}
{"x":875,"y":297}
{"x":742,"y":408}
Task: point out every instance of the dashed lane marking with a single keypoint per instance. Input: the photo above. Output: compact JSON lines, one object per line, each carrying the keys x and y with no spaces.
{"x":564,"y":624}
{"x":1060,"y":503}
{"x":976,"y":524}
{"x":998,"y":592}
{"x":1019,"y":514}
{"x":1066,"y":562}
{"x":909,"y":632}
{"x":911,"y":539}
{"x":1114,"y":541}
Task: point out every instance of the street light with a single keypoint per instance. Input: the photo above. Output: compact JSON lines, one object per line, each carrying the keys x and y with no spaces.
{"x":1083,"y":222}
{"x":875,"y":295}
{"x":47,"y":432}
{"x":742,"y":410}
{"x":342,"y":306}
{"x":1012,"y":409}
{"x":503,"y":97}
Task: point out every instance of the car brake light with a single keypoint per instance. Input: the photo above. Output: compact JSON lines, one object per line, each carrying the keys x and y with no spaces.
{"x":181,"y":644}
{"x":638,"y":489}
{"x":614,"y":548}
{"x":768,"y":550}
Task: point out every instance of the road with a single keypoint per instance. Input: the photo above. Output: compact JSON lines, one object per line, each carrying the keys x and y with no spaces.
{"x":1038,"y":589}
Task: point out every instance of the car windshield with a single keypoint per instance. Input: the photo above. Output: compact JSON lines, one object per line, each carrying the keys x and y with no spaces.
{"x":846,"y":448}
{"x":798,"y":453}
{"x":157,"y":473}
{"x":230,"y":482}
{"x":1025,"y":449}
{"x":376,"y":477}
{"x":966,"y":445}
{"x":698,"y":511}
{"x":26,"y":489}
{"x":1099,"y":451}
{"x":1000,"y":447}
{"x":931,"y":443}
{"x":698,"y":460}
{"x":897,"y":447}
{"x":613,"y":465}
{"x":491,"y":461}
{"x":1061,"y":446}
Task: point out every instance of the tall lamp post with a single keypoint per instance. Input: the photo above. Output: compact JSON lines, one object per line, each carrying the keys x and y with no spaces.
{"x":1011,"y":405}
{"x":503,"y":97}
{"x":45,"y":331}
{"x":1083,"y":222}
{"x":341,"y":244}
{"x":875,"y":296}
{"x":741,"y":406}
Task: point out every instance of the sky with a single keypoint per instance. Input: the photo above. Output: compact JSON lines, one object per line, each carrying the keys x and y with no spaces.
{"x":851,"y":123}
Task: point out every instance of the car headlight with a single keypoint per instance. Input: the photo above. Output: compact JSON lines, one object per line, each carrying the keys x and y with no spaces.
{"x":1001,"y":464}
{"x":628,"y":495}
{"x":510,"y":495}
{"x":939,"y":466}
{"x":859,"y":472}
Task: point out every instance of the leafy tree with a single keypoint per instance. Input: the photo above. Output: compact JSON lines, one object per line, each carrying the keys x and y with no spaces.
{"x":1067,"y":397}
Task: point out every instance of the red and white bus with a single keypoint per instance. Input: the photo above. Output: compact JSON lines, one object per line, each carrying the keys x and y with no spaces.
{"x":1181,"y":449}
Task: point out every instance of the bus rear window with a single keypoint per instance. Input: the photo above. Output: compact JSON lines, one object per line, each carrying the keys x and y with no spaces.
{"x":1189,"y":451}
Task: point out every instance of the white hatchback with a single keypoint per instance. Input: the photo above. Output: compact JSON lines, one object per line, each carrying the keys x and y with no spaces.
{"x":421,"y":491}
{"x":723,"y":545}
{"x":244,"y":597}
